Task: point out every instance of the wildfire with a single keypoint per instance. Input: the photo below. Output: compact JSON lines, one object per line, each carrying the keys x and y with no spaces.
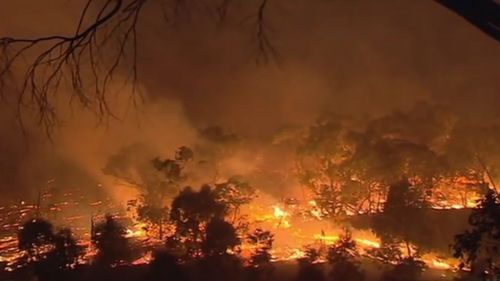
{"x":293,"y":227}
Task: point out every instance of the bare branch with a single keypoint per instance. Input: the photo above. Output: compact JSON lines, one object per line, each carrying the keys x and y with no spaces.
{"x":104,"y":39}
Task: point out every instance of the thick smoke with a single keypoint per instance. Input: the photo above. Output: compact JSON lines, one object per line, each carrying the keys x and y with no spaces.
{"x":348,"y":57}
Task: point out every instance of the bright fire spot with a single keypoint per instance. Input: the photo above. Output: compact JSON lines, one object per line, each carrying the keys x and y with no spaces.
{"x":136,"y":231}
{"x":279,"y":213}
{"x":282,"y":217}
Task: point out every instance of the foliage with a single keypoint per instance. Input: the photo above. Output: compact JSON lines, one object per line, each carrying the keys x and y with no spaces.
{"x":111,"y":244}
{"x":154,"y":215}
{"x":389,"y":252}
{"x":320,"y":156}
{"x":342,"y":258}
{"x":263,"y":241}
{"x":53,"y":254}
{"x":402,"y":206}
{"x":34,"y":235}
{"x":479,"y":246}
{"x":66,"y":252}
{"x":234,"y":193}
{"x":59,"y":261}
{"x":309,"y":269}
{"x":156,"y":179}
{"x":165,"y":266}
{"x":220,"y":237}
{"x":190,"y":212}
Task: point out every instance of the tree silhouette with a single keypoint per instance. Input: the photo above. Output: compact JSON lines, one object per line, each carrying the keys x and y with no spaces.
{"x":234,"y":193}
{"x":165,"y":266}
{"x":66,"y":251}
{"x":191,"y":211}
{"x":403,"y":202}
{"x":309,"y":268}
{"x":111,"y":244}
{"x":35,"y":237}
{"x":155,"y":179}
{"x":341,"y":257}
{"x":220,"y":237}
{"x":479,"y":247}
{"x":260,"y":260}
{"x":61,"y":259}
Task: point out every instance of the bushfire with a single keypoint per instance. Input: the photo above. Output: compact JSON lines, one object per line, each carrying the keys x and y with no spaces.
{"x":294,"y":225}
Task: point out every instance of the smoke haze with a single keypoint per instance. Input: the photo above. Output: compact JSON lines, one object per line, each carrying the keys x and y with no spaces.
{"x":347,"y":57}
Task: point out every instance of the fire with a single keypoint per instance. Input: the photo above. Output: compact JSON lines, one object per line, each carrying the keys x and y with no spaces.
{"x":137,"y":231}
{"x":282,"y":217}
{"x":294,"y":226}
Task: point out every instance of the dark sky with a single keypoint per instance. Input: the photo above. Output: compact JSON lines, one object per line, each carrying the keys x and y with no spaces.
{"x":357,"y":57}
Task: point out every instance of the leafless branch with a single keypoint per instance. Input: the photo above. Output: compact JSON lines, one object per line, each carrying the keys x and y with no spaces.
{"x":87,"y":60}
{"x":57,"y":58}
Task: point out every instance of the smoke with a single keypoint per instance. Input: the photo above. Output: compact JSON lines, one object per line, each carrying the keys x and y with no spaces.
{"x":347,"y":57}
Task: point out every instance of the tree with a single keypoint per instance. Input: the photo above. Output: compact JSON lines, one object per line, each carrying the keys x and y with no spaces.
{"x":309,"y":269}
{"x":320,"y":156}
{"x":61,"y":259}
{"x":111,"y":244}
{"x":155,"y":179}
{"x":67,"y":252}
{"x":479,"y":246}
{"x":402,"y":217}
{"x":470,"y":155}
{"x":165,"y":266}
{"x":53,"y":254}
{"x":190,"y":212}
{"x":260,"y":259}
{"x":263,"y":241}
{"x":36,"y":237}
{"x":220,"y":237}
{"x":401,"y":267}
{"x":341,"y":257}
{"x":234,"y":193}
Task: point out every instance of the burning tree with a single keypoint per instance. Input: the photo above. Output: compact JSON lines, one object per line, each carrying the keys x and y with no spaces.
{"x":156,"y":179}
{"x":263,"y":242}
{"x":320,"y":157}
{"x":234,"y":193}
{"x":260,"y":259}
{"x":471,"y":160}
